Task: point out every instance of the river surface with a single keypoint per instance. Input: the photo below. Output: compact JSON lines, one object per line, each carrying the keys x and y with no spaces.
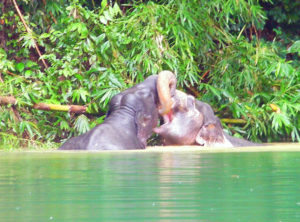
{"x":149,"y":186}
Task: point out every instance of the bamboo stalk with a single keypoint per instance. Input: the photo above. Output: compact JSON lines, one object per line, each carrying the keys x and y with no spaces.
{"x":234,"y":121}
{"x":64,"y":108}
{"x":6,"y":100}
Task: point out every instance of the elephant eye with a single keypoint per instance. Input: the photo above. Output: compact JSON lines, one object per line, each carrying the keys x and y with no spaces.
{"x":210,"y":126}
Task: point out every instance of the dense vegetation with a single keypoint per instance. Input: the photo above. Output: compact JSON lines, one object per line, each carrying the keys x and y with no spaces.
{"x":240,"y":56}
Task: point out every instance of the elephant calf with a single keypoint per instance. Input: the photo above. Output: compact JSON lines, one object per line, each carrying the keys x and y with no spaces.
{"x":131,"y":117}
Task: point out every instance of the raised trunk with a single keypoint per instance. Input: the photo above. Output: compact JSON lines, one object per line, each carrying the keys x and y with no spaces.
{"x":166,"y":88}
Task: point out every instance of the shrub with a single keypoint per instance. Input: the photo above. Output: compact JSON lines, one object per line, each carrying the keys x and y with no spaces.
{"x":94,"y":51}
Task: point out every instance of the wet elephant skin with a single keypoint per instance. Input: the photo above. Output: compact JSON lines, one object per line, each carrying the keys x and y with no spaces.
{"x":193,"y":123}
{"x":131,"y":117}
{"x":212,"y":133}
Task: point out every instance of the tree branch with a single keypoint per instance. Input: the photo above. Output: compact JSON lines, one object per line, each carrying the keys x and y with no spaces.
{"x":6,"y":100}
{"x":29,"y":31}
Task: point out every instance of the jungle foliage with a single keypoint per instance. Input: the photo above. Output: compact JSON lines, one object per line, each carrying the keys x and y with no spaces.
{"x":235,"y":55}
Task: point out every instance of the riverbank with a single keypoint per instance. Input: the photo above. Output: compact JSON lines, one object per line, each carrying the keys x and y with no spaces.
{"x":271,"y":147}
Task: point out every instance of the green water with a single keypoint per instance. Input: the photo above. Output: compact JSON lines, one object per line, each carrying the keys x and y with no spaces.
{"x":140,"y":186}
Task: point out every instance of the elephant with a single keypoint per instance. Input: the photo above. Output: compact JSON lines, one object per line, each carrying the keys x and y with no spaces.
{"x":129,"y":122}
{"x":188,"y":121}
{"x":183,"y":124}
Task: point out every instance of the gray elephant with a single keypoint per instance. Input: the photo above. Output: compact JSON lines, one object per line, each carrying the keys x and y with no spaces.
{"x":188,"y":121}
{"x":131,"y":117}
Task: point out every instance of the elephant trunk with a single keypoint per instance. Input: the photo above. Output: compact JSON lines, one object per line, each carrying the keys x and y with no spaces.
{"x":166,"y":88}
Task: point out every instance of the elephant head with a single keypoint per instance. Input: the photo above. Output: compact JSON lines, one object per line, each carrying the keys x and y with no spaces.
{"x":183,"y":125}
{"x":187,"y":121}
{"x":182,"y":120}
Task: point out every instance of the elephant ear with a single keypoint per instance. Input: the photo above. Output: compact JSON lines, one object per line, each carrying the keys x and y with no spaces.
{"x":212,"y":135}
{"x":114,"y":104}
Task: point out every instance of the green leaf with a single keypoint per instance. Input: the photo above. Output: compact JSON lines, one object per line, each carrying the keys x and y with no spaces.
{"x":3,"y":54}
{"x":82,"y":29}
{"x":107,"y":16}
{"x":295,"y":48}
{"x":115,"y":81}
{"x":28,"y":73}
{"x":64,"y":125}
{"x":116,"y":9}
{"x":82,"y":124}
{"x":103,"y":20}
{"x":30,"y":64}
{"x":100,"y":38}
{"x":44,"y":35}
{"x":20,"y":66}
{"x":79,"y":77}
{"x":215,"y":91}
{"x":103,"y":4}
{"x":228,"y":94}
{"x":80,"y":94}
{"x":105,"y":46}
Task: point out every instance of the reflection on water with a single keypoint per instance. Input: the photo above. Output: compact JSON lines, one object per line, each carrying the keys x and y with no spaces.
{"x":150,"y":186}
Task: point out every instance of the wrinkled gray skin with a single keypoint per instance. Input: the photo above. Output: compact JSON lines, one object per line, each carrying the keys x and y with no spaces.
{"x":194,"y":123}
{"x":185,"y":117}
{"x":132,"y":115}
{"x":212,"y":133}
